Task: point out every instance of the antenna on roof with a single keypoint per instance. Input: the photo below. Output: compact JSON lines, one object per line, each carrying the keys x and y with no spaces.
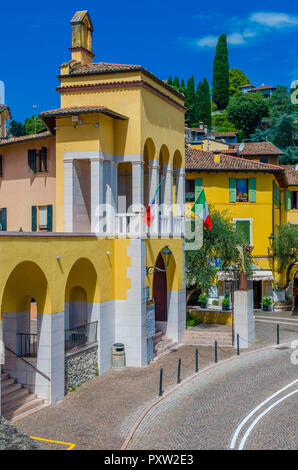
{"x":2,"y":93}
{"x":241,"y":147}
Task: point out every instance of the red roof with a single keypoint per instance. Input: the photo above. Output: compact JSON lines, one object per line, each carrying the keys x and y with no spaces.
{"x":24,"y":138}
{"x":262,"y":87}
{"x":259,"y":148}
{"x":292,"y":175}
{"x":103,"y":67}
{"x":204,"y":161}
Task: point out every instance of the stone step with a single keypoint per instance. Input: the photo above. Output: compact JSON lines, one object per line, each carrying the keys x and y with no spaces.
{"x":163,"y":344}
{"x":165,"y":351}
{"x":4,"y":376}
{"x":7,"y":382}
{"x":17,"y":394}
{"x":207,"y":339}
{"x":157,"y":336}
{"x":10,"y":388}
{"x":21,"y":409}
{"x":18,"y":401}
{"x":27,"y":413}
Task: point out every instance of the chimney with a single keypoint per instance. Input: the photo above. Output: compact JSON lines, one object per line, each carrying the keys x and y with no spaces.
{"x":82,"y":29}
{"x":216,"y":156}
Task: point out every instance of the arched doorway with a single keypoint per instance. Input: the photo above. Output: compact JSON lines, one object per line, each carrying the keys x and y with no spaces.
{"x":160,"y":293}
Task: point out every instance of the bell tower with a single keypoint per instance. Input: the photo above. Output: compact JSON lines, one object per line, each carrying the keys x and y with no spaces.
{"x":82,"y":29}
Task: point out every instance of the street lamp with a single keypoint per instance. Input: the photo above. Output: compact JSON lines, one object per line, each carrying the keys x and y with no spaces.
{"x":166,"y":254}
{"x":271,"y":243}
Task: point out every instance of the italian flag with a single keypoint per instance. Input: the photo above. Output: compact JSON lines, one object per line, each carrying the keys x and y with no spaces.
{"x":150,"y":210}
{"x":200,"y":208}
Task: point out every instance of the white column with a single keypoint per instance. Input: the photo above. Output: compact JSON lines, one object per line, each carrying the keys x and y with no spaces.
{"x":137,"y":225}
{"x":68,"y":195}
{"x":180,"y":191}
{"x":96,"y":194}
{"x":168,"y":196}
{"x":153,"y":184}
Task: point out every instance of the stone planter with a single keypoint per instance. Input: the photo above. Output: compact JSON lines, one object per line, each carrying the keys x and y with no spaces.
{"x":266,"y":308}
{"x":225,"y":307}
{"x":203,"y":304}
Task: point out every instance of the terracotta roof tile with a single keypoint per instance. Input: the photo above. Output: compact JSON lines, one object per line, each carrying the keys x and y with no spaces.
{"x":103,"y":67}
{"x":262,"y":87}
{"x":24,"y":138}
{"x":259,"y":148}
{"x":74,"y":110}
{"x":292,"y":175}
{"x":204,"y":161}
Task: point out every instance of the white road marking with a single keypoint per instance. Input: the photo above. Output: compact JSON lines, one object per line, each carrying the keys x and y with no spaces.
{"x":242,"y":443}
{"x":275,"y":322}
{"x":244,"y":421}
{"x":277,"y":318}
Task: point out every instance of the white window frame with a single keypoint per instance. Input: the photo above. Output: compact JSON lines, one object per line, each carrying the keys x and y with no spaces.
{"x":250,"y":220}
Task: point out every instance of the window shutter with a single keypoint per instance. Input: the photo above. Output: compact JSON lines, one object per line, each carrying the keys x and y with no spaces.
{"x":243,"y":228}
{"x":32,"y":161}
{"x":252,"y":189}
{"x":44,"y":159}
{"x":3,"y":219}
{"x":232,"y":189}
{"x":50,"y":218}
{"x":199,"y":186}
{"x":34,"y":218}
{"x":1,"y":168}
{"x":287,"y":200}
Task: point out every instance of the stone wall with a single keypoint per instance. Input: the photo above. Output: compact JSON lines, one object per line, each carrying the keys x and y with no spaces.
{"x":80,"y":366}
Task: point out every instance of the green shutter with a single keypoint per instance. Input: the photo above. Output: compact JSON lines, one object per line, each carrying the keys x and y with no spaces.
{"x":32,"y":161}
{"x":50,"y":218}
{"x":232,"y":189}
{"x":243,"y":228}
{"x":287,"y":200}
{"x":43,"y":159}
{"x":199,"y":186}
{"x":3,"y":219}
{"x":276,"y":195}
{"x":34,"y":218}
{"x":252,"y":190}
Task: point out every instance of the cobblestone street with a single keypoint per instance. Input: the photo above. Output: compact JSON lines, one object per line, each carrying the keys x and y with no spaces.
{"x":101,"y":412}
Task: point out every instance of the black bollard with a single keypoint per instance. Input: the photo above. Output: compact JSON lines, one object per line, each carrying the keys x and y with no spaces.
{"x":238,"y":349}
{"x":215,"y":351}
{"x":160,"y":382}
{"x":197,"y":360}
{"x":179,"y":371}
{"x":277,"y":333}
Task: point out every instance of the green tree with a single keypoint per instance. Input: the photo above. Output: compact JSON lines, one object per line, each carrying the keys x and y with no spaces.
{"x":170,"y":81}
{"x":15,"y":129}
{"x":221,"y":123}
{"x":190,"y":102}
{"x":237,"y":79}
{"x":182,"y":86}
{"x":203,"y":103}
{"x":220,"y":82}
{"x":286,"y":246}
{"x":207,"y":103}
{"x":280,"y":102}
{"x":290,"y":156}
{"x":176,"y":83}
{"x":30,"y":125}
{"x":246,"y":111}
{"x":219,"y":242}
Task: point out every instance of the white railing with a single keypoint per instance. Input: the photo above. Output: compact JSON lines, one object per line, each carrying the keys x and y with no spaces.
{"x":133,"y":224}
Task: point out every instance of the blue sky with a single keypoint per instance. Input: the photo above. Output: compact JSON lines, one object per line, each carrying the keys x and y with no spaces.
{"x":166,"y":37}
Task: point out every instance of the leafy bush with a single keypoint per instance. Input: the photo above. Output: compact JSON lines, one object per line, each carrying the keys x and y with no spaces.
{"x":215,"y":302}
{"x":266,"y":301}
{"x":191,"y":319}
{"x":226,"y":301}
{"x":202,"y":298}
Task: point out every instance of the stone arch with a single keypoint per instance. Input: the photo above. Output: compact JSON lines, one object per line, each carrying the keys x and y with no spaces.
{"x":26,"y":283}
{"x":149,"y":155}
{"x":81,"y":294}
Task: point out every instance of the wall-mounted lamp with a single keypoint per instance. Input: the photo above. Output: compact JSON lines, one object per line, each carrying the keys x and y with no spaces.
{"x":58,"y":257}
{"x":271,"y":243}
{"x":166,"y":254}
{"x":108,"y":253}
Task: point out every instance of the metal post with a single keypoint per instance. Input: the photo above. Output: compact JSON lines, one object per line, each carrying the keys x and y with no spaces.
{"x":238,"y":349}
{"x":215,"y":351}
{"x":152,"y":349}
{"x":197,"y":360}
{"x":160,"y":382}
{"x":179,"y":371}
{"x":277,"y":333}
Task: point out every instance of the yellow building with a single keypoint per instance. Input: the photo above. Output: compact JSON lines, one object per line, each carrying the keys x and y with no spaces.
{"x":88,"y":264}
{"x":256,"y":196}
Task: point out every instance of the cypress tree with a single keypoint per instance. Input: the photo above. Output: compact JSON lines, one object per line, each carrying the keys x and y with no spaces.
{"x":220,"y":80}
{"x":176,"y":83}
{"x":170,"y":81}
{"x":207,"y":103}
{"x":190,"y":102}
{"x":182,"y":86}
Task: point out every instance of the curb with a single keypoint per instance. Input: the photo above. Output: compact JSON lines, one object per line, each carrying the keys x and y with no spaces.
{"x":224,"y":361}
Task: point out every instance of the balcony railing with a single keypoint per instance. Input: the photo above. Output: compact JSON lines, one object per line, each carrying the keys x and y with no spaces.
{"x":80,"y":335}
{"x":133,"y":224}
{"x":27,"y":345}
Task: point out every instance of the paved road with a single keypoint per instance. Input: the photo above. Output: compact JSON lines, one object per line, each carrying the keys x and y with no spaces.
{"x":205,"y":412}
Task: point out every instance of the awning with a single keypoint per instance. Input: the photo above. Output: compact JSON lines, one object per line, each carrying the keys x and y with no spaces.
{"x":257,"y":275}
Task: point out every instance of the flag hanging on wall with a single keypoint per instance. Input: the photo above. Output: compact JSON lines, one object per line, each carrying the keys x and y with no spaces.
{"x":200,"y":208}
{"x":150,"y":210}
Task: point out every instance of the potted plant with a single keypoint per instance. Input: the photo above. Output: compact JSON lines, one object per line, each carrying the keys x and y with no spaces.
{"x":225,"y":303}
{"x":202,"y":300}
{"x":266,"y":303}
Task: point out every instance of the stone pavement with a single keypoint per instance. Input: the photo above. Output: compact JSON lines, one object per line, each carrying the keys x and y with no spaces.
{"x":12,"y":438}
{"x":100,"y":413}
